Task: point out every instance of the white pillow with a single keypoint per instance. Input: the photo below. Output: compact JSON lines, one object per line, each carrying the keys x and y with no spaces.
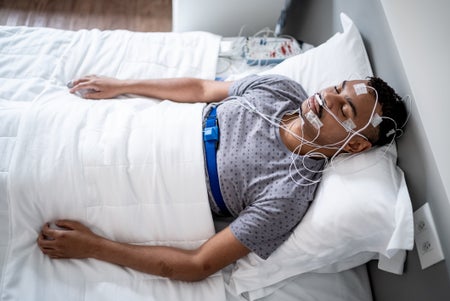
{"x":342,"y":57}
{"x":362,"y":208}
{"x":361,"y":211}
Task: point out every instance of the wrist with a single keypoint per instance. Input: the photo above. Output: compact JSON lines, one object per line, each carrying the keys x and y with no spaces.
{"x":130,"y":86}
{"x":124,"y":86}
{"x":97,"y":246}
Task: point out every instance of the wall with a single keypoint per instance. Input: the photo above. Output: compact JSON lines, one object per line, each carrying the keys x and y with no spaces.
{"x":421,"y":31}
{"x":407,"y":42}
{"x":225,"y":18}
{"x":422,"y":36}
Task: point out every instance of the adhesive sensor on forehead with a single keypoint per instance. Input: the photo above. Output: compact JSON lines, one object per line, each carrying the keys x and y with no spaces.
{"x":314,"y":120}
{"x":360,"y":88}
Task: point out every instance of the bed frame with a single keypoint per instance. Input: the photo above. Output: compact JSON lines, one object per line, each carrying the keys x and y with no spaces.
{"x":314,"y":21}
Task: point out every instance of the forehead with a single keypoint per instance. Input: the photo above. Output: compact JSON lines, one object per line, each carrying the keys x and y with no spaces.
{"x":363,"y":97}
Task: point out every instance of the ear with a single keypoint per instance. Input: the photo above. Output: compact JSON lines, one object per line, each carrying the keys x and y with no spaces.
{"x":357,"y":144}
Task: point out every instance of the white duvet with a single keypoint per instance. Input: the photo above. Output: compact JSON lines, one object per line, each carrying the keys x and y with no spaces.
{"x":131,"y":168}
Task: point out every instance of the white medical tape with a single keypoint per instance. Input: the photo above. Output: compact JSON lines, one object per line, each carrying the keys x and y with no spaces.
{"x":376,"y":120}
{"x":313,"y":119}
{"x":360,"y":88}
{"x":349,"y":124}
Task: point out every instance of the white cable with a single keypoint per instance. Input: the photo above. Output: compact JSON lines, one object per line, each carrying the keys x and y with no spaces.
{"x":329,"y":162}
{"x":277,"y":122}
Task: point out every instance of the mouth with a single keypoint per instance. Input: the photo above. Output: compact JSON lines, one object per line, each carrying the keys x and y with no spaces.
{"x":315,"y":104}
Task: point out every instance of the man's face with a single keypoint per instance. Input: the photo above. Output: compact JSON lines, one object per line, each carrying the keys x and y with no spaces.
{"x":347,"y":105}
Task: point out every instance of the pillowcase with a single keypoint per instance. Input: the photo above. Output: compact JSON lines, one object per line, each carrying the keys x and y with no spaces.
{"x":361,"y":210}
{"x":342,"y":57}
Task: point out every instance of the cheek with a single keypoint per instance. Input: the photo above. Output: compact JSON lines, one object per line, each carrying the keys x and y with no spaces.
{"x":333,"y":132}
{"x":330,"y":132}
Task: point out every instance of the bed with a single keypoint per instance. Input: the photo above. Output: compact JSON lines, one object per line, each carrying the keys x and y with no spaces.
{"x":109,"y":165}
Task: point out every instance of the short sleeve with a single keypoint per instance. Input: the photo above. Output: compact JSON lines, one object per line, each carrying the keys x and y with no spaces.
{"x":268,"y":83}
{"x":264,"y":226}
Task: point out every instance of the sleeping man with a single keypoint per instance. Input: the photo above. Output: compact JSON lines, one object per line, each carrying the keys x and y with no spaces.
{"x":266,"y":145}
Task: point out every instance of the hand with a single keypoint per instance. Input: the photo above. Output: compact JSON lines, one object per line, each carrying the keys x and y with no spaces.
{"x":73,"y":241}
{"x":97,"y":87}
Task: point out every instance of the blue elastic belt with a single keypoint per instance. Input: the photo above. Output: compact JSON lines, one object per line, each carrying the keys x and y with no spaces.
{"x":211,"y":139}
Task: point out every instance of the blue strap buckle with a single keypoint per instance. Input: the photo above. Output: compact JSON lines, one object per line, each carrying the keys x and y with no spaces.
{"x":211,"y":134}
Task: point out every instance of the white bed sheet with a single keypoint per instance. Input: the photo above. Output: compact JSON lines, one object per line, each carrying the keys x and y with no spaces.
{"x":349,"y":285}
{"x":35,"y":65}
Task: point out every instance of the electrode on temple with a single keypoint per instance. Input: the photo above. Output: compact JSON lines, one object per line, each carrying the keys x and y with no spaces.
{"x":376,"y":120}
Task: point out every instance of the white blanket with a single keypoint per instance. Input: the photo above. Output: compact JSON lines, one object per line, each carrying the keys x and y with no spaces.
{"x":132,"y":169}
{"x":30,"y":58}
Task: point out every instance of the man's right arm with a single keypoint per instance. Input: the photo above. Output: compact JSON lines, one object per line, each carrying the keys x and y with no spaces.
{"x":175,"y":89}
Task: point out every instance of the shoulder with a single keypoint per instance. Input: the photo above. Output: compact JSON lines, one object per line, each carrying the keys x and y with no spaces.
{"x":266,"y":79}
{"x":269,"y":82}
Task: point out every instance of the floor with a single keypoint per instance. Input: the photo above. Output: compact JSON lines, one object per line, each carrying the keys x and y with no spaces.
{"x":135,"y":15}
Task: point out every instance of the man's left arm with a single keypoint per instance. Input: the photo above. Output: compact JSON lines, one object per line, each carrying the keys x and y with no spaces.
{"x":187,"y":265}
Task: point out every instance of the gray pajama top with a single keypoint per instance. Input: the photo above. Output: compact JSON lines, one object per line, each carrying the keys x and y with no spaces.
{"x":256,"y":172}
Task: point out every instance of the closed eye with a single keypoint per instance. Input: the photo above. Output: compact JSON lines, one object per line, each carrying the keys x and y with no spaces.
{"x":351,"y":109}
{"x":344,"y":110}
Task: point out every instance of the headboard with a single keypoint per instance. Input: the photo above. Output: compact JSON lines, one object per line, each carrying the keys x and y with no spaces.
{"x":426,"y":170}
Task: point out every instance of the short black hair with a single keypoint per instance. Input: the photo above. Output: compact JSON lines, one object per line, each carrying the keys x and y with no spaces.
{"x":394,"y":111}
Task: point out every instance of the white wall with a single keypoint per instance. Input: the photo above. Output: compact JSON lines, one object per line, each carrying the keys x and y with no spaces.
{"x":225,"y":17}
{"x":421,"y":30}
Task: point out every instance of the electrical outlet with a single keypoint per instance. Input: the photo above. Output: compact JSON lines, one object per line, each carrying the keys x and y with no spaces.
{"x":426,"y":237}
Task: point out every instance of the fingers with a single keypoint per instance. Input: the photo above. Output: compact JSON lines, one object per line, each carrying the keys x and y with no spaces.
{"x":48,"y":248}
{"x":86,"y":90}
{"x":50,"y":231}
{"x":86,"y":87}
{"x":83,"y":79}
{"x":81,"y":85}
{"x":94,"y":87}
{"x":67,"y":224}
{"x":47,"y":245}
{"x":76,"y":82}
{"x":93,"y":95}
{"x":48,"y":239}
{"x":42,"y":240}
{"x":47,"y":232}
